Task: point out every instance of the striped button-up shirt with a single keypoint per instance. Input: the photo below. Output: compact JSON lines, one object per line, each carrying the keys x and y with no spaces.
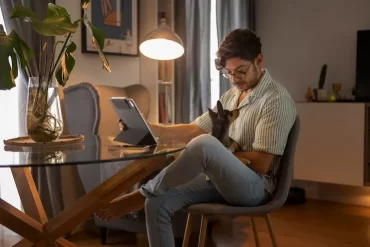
{"x":266,"y":116}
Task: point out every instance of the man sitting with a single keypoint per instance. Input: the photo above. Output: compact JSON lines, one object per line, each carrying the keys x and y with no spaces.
{"x":266,"y":115}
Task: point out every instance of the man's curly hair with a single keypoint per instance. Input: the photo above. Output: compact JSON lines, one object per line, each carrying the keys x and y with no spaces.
{"x":241,"y":43}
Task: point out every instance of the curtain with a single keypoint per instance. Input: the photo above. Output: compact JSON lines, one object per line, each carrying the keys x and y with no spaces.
{"x":48,"y":180}
{"x":9,"y":116}
{"x":192,"y":70}
{"x":231,"y":15}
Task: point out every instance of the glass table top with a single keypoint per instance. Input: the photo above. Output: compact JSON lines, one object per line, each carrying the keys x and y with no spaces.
{"x":93,"y":149}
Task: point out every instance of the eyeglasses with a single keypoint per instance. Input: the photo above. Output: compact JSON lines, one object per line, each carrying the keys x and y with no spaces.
{"x":239,"y":74}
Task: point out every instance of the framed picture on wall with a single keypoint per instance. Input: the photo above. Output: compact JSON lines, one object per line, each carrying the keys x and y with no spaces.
{"x":118,"y":19}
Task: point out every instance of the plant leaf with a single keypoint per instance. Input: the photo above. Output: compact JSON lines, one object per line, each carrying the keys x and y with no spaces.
{"x":98,"y":40}
{"x":54,"y":26}
{"x":57,"y":21}
{"x":6,"y":76}
{"x":24,"y":52}
{"x":11,"y":46}
{"x":23,"y":13}
{"x":14,"y":68}
{"x":55,"y":10}
{"x":66,"y":65}
{"x":98,"y":36}
{"x":72,"y":47}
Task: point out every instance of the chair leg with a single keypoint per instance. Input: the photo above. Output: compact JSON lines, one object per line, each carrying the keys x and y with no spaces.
{"x":189,"y":225}
{"x":255,"y":233}
{"x":203,"y":231}
{"x":103,"y":235}
{"x":271,"y":232}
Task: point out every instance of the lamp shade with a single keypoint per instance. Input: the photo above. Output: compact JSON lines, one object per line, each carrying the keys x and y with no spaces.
{"x":162,"y":43}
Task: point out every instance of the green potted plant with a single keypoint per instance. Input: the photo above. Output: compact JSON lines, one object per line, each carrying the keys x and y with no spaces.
{"x":322,"y":94}
{"x":44,"y":121}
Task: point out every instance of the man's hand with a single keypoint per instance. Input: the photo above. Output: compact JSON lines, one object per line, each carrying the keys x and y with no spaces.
{"x":121,"y":125}
{"x":259,"y":161}
{"x":177,"y":132}
{"x":243,"y":160}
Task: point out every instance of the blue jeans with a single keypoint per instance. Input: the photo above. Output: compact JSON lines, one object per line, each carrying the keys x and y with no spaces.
{"x":184,"y":183}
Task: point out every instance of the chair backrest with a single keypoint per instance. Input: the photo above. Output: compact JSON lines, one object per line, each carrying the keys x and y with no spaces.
{"x":108,"y":117}
{"x":285,"y":174}
{"x":87,"y":108}
{"x":81,"y":104}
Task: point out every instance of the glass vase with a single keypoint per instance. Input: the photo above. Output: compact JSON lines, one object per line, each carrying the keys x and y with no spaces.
{"x":44,"y":117}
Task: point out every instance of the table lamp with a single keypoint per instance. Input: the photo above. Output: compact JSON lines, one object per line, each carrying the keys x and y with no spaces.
{"x":162,"y":43}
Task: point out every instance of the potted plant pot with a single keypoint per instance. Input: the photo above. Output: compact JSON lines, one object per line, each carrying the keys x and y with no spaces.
{"x":44,"y":117}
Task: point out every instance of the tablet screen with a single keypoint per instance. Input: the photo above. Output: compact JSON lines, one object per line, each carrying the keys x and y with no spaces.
{"x":138,"y":132}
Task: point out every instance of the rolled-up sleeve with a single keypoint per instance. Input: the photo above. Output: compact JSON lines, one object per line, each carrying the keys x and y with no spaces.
{"x":204,"y":122}
{"x":277,"y":118}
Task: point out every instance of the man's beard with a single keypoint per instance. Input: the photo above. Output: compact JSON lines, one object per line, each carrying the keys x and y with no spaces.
{"x":252,"y":83}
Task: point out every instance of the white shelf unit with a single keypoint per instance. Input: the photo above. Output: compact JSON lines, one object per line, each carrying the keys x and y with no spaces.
{"x":333,"y":143}
{"x":158,"y":76}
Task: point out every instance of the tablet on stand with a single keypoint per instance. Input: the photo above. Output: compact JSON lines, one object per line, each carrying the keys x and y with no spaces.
{"x":137,"y":130}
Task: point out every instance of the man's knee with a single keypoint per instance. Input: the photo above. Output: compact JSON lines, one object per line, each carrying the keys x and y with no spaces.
{"x":202,"y":141}
{"x":203,"y":145}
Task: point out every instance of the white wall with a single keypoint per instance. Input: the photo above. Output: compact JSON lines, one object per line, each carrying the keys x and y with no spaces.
{"x":88,"y":68}
{"x":298,"y":37}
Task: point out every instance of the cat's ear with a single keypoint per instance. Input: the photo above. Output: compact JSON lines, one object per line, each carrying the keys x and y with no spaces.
{"x":220,"y":109}
{"x":212,"y":114}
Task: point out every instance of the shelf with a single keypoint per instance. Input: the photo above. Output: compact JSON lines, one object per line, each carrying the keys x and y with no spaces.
{"x":165,"y":86}
{"x":165,"y":102}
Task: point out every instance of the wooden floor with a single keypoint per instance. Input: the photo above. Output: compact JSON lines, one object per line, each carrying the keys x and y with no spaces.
{"x":315,"y":224}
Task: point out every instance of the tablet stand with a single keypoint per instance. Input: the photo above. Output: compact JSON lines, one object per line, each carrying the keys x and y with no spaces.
{"x":135,"y":137}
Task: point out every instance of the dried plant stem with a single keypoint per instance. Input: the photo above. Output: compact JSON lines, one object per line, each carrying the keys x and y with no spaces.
{"x":39,"y":72}
{"x":62,"y":51}
{"x":53,"y":55}
{"x":29,"y":73}
{"x":45,"y":58}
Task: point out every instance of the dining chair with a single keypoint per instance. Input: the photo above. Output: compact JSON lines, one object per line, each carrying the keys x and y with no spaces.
{"x":208,"y":210}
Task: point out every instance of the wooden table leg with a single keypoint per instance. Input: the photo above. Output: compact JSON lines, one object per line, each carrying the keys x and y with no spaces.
{"x":39,"y":231}
{"x":19,"y":222}
{"x":61,"y":242}
{"x":23,"y":243}
{"x":28,"y":194}
{"x":28,"y":224}
{"x":99,"y":197}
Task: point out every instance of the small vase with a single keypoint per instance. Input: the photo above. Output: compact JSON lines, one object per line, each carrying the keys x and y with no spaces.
{"x":44,"y":117}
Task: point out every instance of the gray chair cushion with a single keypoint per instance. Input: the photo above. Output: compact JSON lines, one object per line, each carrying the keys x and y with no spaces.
{"x":281,"y":193}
